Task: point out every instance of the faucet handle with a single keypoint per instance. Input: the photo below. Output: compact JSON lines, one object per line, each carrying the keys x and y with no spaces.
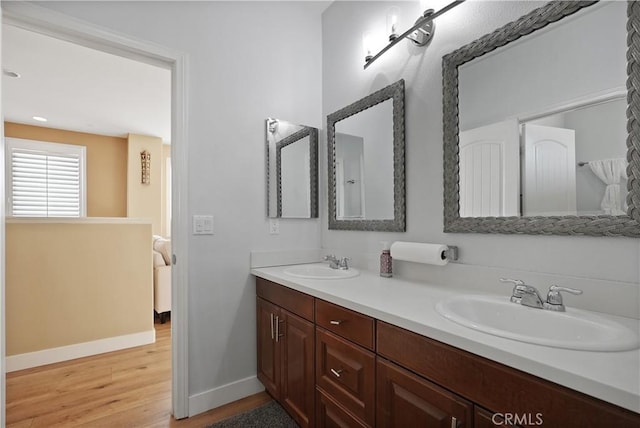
{"x":554,"y":298}
{"x":519,"y":288}
{"x":329,"y":257}
{"x":344,"y":263}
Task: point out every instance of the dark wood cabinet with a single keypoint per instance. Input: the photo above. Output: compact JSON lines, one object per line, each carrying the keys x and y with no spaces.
{"x":346,"y":372}
{"x":331,"y":367}
{"x":407,"y":400}
{"x":286,"y":348}
{"x":330,"y":414}
{"x":482,"y":418}
{"x":268,"y":353}
{"x":296,"y":355}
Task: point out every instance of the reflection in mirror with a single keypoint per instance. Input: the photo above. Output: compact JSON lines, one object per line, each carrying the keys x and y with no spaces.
{"x":364,"y":172}
{"x":366,"y":163}
{"x":536,"y":125}
{"x":292,"y":169}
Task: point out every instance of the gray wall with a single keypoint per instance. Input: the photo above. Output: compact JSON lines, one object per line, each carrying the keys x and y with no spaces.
{"x":247,"y":61}
{"x":541,"y":259}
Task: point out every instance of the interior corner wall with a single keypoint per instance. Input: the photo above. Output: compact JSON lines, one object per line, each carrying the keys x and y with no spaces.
{"x":236,"y":79}
{"x":106,"y":165}
{"x":345,"y":81}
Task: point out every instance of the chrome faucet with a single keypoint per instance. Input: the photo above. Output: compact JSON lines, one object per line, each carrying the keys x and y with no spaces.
{"x":524,"y":294}
{"x":528,"y":295}
{"x":554,"y":298}
{"x":335,"y":263}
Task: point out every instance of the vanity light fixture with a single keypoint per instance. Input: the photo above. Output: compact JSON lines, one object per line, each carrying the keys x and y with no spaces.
{"x":420,"y":34}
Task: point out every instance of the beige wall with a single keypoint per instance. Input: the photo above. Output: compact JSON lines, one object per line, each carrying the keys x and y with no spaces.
{"x":75,"y":281}
{"x":106,"y":165}
{"x":145,"y":200}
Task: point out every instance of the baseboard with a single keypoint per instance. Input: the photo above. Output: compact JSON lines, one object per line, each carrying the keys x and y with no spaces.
{"x":224,"y":394}
{"x":78,"y":350}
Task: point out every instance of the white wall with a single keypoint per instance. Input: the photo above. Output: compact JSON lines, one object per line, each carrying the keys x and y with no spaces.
{"x":590,"y":262}
{"x":562,"y":62}
{"x":247,"y":61}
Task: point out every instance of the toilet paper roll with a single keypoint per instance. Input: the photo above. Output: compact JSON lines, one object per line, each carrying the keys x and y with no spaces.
{"x":417,"y":252}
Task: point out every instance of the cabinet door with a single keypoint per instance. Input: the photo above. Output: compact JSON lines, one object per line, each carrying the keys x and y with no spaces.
{"x":407,"y":400}
{"x":296,"y":340}
{"x":483,"y":418}
{"x":268,"y":352}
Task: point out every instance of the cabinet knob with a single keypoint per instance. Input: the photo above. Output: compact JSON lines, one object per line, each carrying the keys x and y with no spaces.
{"x":336,"y":322}
{"x":336,"y":373}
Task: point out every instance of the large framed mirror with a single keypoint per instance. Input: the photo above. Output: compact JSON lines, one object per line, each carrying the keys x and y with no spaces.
{"x":536,"y":139}
{"x":292,"y":169}
{"x":365,"y":143}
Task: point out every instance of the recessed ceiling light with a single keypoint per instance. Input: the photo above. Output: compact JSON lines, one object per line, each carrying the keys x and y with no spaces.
{"x":10,"y":73}
{"x":40,"y":118}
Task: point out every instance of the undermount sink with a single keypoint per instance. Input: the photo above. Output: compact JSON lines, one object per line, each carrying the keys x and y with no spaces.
{"x":574,"y":329}
{"x":320,"y":272}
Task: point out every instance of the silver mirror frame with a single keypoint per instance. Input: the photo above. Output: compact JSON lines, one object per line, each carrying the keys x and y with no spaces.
{"x":628,"y":225}
{"x":306,"y":131}
{"x":395,"y":92}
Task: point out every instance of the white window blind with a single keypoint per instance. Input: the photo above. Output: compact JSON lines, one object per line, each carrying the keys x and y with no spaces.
{"x":45,"y":179}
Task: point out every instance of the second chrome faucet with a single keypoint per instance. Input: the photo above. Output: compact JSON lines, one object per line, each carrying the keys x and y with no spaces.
{"x":528,"y":295}
{"x":335,"y":263}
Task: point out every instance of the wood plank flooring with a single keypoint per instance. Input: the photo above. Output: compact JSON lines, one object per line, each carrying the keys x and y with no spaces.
{"x":128,"y":388}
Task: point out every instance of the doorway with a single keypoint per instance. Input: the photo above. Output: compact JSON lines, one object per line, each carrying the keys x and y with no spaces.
{"x":58,"y":26}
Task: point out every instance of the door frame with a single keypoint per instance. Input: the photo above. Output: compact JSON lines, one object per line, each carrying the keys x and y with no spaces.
{"x":61,"y":26}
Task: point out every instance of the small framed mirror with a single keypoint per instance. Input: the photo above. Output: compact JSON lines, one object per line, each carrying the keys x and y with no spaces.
{"x":540,"y":124}
{"x":292,"y":169}
{"x":366,"y":147}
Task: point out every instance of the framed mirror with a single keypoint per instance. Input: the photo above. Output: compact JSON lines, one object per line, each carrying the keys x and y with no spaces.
{"x":536,"y":138}
{"x":366,"y":163}
{"x":292,"y":169}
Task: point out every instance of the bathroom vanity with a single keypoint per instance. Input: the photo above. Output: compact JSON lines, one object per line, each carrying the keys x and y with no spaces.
{"x":372,"y":352}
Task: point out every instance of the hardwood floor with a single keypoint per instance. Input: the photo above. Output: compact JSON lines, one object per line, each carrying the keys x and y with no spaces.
{"x":128,"y":388}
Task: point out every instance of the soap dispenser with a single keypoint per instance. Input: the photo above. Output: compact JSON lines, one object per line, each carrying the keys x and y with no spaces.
{"x":385,"y":261}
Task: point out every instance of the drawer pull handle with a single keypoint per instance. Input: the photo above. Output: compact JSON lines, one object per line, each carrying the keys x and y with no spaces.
{"x":336,"y":373}
{"x":454,"y":422}
{"x":336,"y":322}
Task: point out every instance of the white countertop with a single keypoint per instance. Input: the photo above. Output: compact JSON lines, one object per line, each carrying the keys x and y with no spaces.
{"x":611,"y":376}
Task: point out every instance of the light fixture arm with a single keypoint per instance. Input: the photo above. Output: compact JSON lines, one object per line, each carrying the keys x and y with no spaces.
{"x":419,"y":23}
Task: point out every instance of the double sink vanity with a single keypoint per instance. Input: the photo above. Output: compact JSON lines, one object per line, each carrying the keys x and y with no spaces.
{"x":349,"y":348}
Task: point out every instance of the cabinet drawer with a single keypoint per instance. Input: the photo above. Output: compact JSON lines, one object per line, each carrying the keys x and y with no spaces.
{"x":344,"y":322}
{"x":330,"y":414}
{"x":495,"y":386}
{"x":346,"y":373}
{"x":294,"y":301}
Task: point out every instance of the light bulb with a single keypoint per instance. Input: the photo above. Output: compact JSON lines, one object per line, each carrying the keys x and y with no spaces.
{"x":367,"y":41}
{"x":392,"y":23}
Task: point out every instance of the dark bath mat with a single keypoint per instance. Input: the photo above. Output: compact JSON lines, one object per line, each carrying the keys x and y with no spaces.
{"x":270,"y":415}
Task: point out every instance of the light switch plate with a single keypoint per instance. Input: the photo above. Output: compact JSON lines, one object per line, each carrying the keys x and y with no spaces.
{"x":203,"y":225}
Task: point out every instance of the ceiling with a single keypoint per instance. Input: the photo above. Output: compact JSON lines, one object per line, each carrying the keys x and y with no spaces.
{"x":82,"y":89}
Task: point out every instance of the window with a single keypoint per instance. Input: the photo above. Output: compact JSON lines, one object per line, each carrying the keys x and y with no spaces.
{"x":45,"y":179}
